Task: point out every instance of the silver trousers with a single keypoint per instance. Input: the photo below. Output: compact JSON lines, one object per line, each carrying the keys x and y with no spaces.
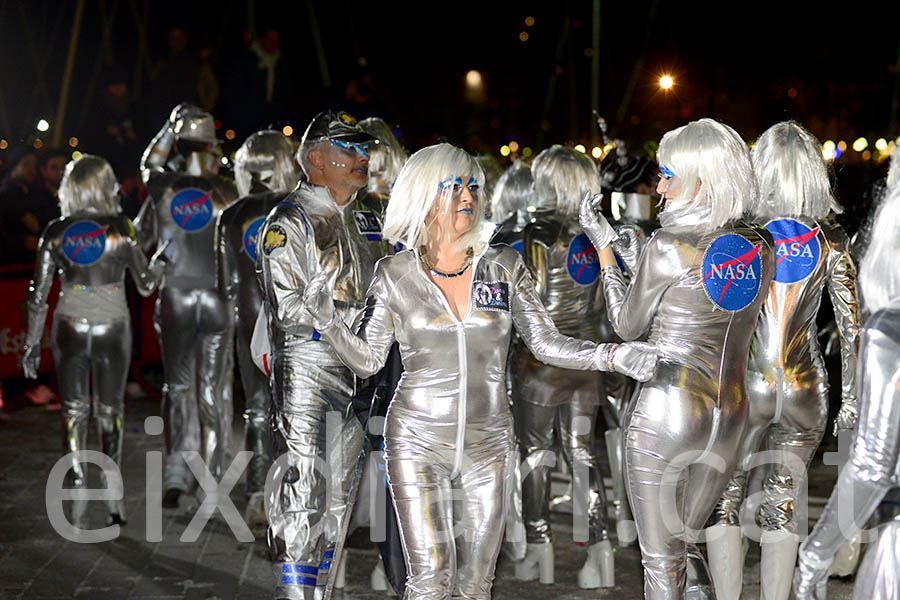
{"x":544,"y":405}
{"x":680,"y":450}
{"x":451,"y":521}
{"x":256,"y":416}
{"x":92,"y":359}
{"x":195,"y":329}
{"x":318,"y":441}
{"x":791,"y":418}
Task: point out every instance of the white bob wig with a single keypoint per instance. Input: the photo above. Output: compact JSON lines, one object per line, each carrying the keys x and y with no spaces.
{"x":712,"y":155}
{"x":514,"y":194}
{"x":562,"y":176}
{"x":386,"y":157}
{"x":418,"y":186}
{"x":792,"y":176}
{"x":268,"y":156}
{"x":89,"y":186}
{"x":879,"y":272}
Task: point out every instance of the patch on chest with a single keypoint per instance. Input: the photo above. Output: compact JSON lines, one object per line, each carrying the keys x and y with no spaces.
{"x":797,"y":250}
{"x":250,"y":237}
{"x":367,"y":225}
{"x":191,"y":209}
{"x":84,"y":242}
{"x":582,"y":262}
{"x":731,"y":272}
{"x":491,"y":295}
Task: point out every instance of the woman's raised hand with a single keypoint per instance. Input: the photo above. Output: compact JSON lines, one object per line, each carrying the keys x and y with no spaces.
{"x":594,"y":223}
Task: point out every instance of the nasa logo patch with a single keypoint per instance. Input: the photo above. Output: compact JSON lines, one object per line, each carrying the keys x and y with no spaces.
{"x":491,"y":295}
{"x":731,"y":271}
{"x":518,"y":246}
{"x":251,"y":235}
{"x":583,"y":263}
{"x":84,"y":242}
{"x":275,"y":241}
{"x":797,"y":250}
{"x":191,"y":209}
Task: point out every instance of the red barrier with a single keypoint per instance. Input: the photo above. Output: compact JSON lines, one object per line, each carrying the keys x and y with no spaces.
{"x":14,"y":282}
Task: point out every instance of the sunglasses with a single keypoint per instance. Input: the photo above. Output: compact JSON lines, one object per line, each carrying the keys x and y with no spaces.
{"x":362,"y":148}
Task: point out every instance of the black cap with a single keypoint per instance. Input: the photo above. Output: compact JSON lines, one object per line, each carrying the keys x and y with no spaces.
{"x":336,"y":125}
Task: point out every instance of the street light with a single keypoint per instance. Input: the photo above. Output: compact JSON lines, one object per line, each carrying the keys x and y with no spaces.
{"x":666,"y":82}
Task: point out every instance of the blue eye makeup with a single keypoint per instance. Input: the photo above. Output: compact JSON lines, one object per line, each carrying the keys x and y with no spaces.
{"x":665,"y":172}
{"x":363,"y":149}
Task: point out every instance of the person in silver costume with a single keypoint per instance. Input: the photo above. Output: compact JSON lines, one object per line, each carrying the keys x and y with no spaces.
{"x":451,"y":301}
{"x":698,"y":288}
{"x":265,"y":173}
{"x":512,"y":204}
{"x":873,"y":468}
{"x":320,"y":226}
{"x":626,"y":179}
{"x":548,"y":399}
{"x":386,"y":158}
{"x":193,"y":322}
{"x":787,"y":386}
{"x":90,"y":247}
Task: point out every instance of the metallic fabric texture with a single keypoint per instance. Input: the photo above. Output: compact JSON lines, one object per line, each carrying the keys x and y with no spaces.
{"x":699,"y":293}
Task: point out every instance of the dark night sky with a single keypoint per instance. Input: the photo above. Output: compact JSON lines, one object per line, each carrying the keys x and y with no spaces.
{"x":732,"y":61}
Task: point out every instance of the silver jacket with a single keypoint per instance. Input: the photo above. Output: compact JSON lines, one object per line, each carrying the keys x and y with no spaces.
{"x":786,"y":379}
{"x":870,"y":472}
{"x":91,"y":333}
{"x":303,"y":234}
{"x":699,"y":293}
{"x":237,"y":240}
{"x":449,"y":422}
{"x":183,"y":208}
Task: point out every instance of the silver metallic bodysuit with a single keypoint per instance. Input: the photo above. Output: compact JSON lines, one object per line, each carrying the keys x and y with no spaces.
{"x":566,"y":271}
{"x":786,"y":380}
{"x":448,"y":430}
{"x":193,"y":323}
{"x":312,"y":421}
{"x":699,"y":293}
{"x":91,"y":332}
{"x":237,"y":242}
{"x":871,"y":471}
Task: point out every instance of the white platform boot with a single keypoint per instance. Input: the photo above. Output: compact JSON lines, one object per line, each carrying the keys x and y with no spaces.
{"x":537,"y":564}
{"x":725,"y":551}
{"x":599,"y":567}
{"x":378,"y":580}
{"x":778,"y":557}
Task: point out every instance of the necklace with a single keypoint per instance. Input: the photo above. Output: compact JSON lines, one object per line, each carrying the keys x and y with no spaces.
{"x":438,"y":273}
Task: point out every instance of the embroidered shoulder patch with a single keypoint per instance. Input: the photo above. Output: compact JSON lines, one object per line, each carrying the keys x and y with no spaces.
{"x":275,"y":241}
{"x":491,"y":295}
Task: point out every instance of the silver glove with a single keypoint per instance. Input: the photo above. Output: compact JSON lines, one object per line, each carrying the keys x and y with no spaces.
{"x":811,"y":583}
{"x":318,"y":300}
{"x":594,"y":223}
{"x":633,"y":359}
{"x":846,"y":417}
{"x":31,"y":360}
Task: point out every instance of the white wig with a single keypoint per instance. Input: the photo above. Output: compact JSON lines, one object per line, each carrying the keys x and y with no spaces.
{"x":893,"y":175}
{"x":417,"y":187}
{"x":269,"y":156}
{"x":513,"y":194}
{"x":713,"y":155}
{"x":879,"y":273}
{"x":562,"y":176}
{"x":89,"y":186}
{"x":792,"y":176}
{"x":386,"y":157}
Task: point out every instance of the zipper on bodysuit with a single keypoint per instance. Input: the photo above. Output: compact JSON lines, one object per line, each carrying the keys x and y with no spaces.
{"x":463,"y":389}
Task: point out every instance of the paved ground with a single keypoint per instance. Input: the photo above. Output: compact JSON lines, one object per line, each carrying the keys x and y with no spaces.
{"x":35,"y":562}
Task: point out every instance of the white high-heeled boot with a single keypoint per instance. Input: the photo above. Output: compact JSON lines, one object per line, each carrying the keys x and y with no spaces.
{"x":778,"y":557}
{"x":599,"y":567}
{"x":725,"y":552}
{"x":340,"y":578}
{"x":537,"y":564}
{"x":378,"y":580}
